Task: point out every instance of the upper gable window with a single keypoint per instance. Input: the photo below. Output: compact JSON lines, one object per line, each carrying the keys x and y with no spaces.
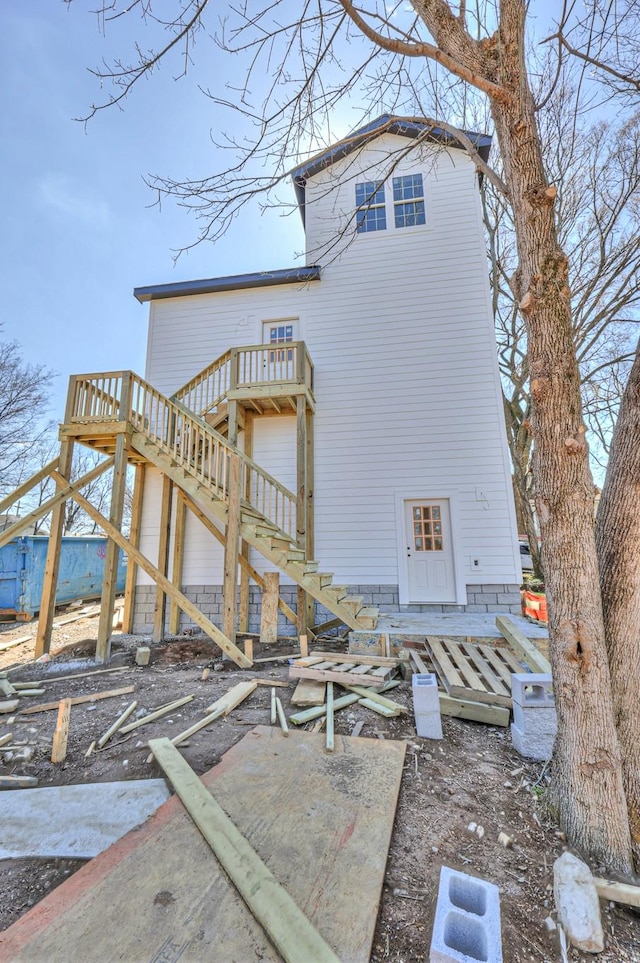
{"x":372,"y":215}
{"x":408,"y":200}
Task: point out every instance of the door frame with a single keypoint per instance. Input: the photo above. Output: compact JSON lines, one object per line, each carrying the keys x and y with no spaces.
{"x":401,"y":543}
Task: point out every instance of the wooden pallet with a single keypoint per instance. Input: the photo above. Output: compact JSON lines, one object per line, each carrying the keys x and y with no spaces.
{"x":344,"y":669}
{"x":479,"y":672}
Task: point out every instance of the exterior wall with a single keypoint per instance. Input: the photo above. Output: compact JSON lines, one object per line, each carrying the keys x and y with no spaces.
{"x":208,"y":598}
{"x":406,"y":384}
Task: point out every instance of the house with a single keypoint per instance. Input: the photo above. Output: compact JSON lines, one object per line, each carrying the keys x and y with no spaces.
{"x":323,"y":441}
{"x":411,"y":499}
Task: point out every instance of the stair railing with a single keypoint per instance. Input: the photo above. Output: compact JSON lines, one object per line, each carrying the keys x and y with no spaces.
{"x":206,"y":390}
{"x":192,"y":444}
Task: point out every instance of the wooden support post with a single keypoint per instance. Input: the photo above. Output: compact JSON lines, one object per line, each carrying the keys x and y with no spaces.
{"x":269,"y":616}
{"x":178,"y":559}
{"x":52,"y":565}
{"x":134,"y":537}
{"x":243,"y":615}
{"x":118,"y":489}
{"x":61,"y":734}
{"x":231,"y":549}
{"x":232,"y":430}
{"x":310,"y":538}
{"x":301,"y":501}
{"x":159,"y":610}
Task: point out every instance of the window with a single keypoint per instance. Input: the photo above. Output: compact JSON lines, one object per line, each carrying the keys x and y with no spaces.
{"x":370,"y":204}
{"x":279,"y":332}
{"x":408,"y":200}
{"x":427,"y":528}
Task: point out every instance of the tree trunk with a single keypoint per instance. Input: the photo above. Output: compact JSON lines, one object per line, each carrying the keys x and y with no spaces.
{"x":524,"y":512}
{"x":587,"y":783}
{"x":618,"y":542}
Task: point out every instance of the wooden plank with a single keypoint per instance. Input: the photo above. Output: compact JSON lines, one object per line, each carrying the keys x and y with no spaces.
{"x":61,"y":734}
{"x":185,"y":604}
{"x":522,"y":646}
{"x":330,"y":734}
{"x":237,"y":694}
{"x":309,"y":692}
{"x":156,"y":714}
{"x":287,"y":927}
{"x":379,"y":709}
{"x":134,"y":537}
{"x":111,"y":559}
{"x":338,"y":849}
{"x":197,"y":726}
{"x":232,"y":544}
{"x":116,"y":725}
{"x":511,"y":662}
{"x":502,"y":671}
{"x":178,"y":559}
{"x":419,"y":663}
{"x":274,"y":708}
{"x":78,"y":700}
{"x":483,"y":660}
{"x":466,"y":670}
{"x":376,"y":660}
{"x":366,"y":693}
{"x":269,"y":609}
{"x":342,"y":678}
{"x":18,"y":782}
{"x":281,"y":717}
{"x":52,"y":563}
{"x":164,"y":533}
{"x":6,"y":688}
{"x":446,"y":668}
{"x":318,"y":712}
{"x":476,"y":711}
{"x":10,"y":706}
{"x":625,"y":893}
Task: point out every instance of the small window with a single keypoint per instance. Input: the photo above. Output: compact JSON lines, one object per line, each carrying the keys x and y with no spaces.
{"x":280,"y":334}
{"x":370,"y":203}
{"x":408,"y":200}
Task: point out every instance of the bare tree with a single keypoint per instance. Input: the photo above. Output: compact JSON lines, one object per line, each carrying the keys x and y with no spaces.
{"x":24,"y":400}
{"x":332,"y":50}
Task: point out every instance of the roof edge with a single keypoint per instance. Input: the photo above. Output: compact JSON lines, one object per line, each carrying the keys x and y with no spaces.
{"x":235,"y":282}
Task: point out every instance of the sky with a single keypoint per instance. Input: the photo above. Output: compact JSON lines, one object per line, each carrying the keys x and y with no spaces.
{"x":79,"y":229}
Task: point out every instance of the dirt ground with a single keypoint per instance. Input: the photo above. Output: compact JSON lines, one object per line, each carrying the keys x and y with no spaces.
{"x":472,"y":776}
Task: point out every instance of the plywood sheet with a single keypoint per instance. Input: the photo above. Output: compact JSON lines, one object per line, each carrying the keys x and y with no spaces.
{"x":321,"y":822}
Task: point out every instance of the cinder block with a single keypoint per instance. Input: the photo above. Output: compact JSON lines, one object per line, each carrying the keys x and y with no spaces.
{"x":143,"y":655}
{"x":543,"y":720}
{"x":532,"y":690}
{"x":466,"y":928}
{"x":426,"y":705}
{"x":532,"y":745}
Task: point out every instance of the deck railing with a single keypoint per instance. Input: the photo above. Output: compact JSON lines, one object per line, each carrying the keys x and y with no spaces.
{"x":254,"y":365}
{"x":191,"y":443}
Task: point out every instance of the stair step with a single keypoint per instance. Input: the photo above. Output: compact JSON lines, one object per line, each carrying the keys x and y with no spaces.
{"x":338,"y":591}
{"x":264,"y":530}
{"x":310,"y":568}
{"x":295,"y":555}
{"x":322,"y":579}
{"x":368,"y":617}
{"x":281,"y":544}
{"x":353,"y":603}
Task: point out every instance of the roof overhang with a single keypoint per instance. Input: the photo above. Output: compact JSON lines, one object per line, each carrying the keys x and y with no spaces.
{"x":236,"y":282}
{"x":413,"y":127}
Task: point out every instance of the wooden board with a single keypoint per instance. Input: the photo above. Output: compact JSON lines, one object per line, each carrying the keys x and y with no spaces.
{"x":345,"y":671}
{"x":523,"y":647}
{"x":479,"y":673}
{"x":167,"y":895}
{"x":309,"y":692}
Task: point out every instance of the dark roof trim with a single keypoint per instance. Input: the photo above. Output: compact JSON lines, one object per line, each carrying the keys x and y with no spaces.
{"x":236,"y":282}
{"x":412,"y":127}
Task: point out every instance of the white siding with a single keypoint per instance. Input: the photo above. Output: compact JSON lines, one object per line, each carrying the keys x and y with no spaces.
{"x":406,"y":383}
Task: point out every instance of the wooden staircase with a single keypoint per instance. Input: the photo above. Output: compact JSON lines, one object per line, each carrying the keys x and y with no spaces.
{"x":182,"y":445}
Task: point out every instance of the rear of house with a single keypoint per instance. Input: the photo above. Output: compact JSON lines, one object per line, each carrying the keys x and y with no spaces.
{"x":407,"y":471}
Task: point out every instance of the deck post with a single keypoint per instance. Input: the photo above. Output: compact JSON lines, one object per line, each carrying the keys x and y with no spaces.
{"x":118,"y":489}
{"x":309,"y":513}
{"x":52,"y":564}
{"x":159,"y":610}
{"x":301,"y":502}
{"x":178,"y":560}
{"x":243,"y":618}
{"x":231,"y":548}
{"x":134,"y":538}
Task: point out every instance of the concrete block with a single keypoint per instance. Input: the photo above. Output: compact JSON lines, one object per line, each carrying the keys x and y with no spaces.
{"x":532,"y":690}
{"x":426,"y":705}
{"x":542,"y":720}
{"x":143,"y":655}
{"x":467,"y":922}
{"x":490,"y":598}
{"x":532,"y":745}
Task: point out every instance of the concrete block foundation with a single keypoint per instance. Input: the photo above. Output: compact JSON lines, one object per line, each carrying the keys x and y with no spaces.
{"x":466,"y":928}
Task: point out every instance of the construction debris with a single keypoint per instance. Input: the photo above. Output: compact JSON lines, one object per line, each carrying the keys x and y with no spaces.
{"x":78,"y":700}
{"x":60,"y":736}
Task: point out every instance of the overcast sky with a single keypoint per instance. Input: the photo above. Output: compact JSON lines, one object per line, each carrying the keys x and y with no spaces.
{"x":78,"y":229}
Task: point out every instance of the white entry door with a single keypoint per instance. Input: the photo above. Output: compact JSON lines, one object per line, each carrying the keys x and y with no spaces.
{"x":429,"y":545}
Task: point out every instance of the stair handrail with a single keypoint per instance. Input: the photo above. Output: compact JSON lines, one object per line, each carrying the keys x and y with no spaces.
{"x":207,"y":389}
{"x":189,"y":440}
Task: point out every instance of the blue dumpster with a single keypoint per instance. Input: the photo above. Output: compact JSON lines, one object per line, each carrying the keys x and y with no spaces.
{"x":22,"y":563}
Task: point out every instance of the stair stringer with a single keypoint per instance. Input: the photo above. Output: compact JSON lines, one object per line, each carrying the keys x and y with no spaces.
{"x":278,"y":554}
